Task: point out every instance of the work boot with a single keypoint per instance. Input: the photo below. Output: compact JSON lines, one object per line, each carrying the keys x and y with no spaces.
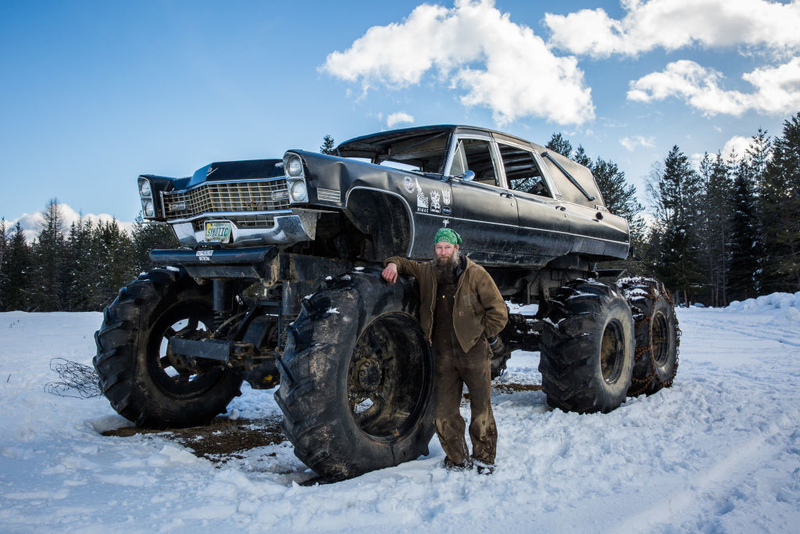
{"x":463,"y":465}
{"x":482,"y":467}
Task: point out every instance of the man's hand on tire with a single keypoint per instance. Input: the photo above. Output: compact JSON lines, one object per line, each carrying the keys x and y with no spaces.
{"x":390,"y":273}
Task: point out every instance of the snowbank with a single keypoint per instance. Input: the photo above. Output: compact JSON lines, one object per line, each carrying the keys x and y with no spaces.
{"x":776,"y":301}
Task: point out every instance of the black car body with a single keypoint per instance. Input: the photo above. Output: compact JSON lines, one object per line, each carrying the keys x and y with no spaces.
{"x":515,"y":203}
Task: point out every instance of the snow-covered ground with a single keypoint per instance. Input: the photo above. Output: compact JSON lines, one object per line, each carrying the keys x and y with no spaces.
{"x":718,"y":452}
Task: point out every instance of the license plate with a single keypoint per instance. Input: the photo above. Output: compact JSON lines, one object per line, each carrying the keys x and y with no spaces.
{"x":218,"y":231}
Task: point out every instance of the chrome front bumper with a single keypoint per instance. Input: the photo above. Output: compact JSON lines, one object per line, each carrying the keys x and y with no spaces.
{"x":287,"y":230}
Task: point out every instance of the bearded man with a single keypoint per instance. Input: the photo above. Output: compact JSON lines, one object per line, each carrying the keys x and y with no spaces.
{"x":461,"y":313}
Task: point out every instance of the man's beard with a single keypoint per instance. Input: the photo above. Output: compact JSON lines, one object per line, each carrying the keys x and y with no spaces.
{"x":446,"y":267}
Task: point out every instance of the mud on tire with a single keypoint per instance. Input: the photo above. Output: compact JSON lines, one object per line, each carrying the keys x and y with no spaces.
{"x":657,"y":335}
{"x":587,"y":348}
{"x":145,"y":383}
{"x":356,"y":377}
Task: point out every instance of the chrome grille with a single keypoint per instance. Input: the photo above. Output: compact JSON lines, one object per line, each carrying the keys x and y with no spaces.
{"x":223,"y":197}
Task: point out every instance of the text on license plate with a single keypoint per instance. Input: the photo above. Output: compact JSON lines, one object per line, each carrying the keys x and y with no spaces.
{"x":218,"y":232}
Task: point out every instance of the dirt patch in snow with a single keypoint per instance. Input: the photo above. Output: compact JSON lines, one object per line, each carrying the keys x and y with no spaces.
{"x":220,"y":440}
{"x":513,"y":388}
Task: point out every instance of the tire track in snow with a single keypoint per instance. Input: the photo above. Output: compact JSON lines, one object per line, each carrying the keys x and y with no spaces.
{"x":706,"y":491}
{"x":768,"y":332}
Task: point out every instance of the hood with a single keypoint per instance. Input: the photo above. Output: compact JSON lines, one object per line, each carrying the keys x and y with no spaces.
{"x":238,"y":170}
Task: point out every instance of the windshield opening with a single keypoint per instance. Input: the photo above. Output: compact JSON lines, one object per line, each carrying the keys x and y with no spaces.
{"x":423,"y":153}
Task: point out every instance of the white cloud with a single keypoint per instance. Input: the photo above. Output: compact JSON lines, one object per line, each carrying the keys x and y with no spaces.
{"x":736,"y":146}
{"x":399,"y":118}
{"x":674,"y":24}
{"x":499,"y":64}
{"x":777,"y":89}
{"x":630,"y":143}
{"x":32,"y":223}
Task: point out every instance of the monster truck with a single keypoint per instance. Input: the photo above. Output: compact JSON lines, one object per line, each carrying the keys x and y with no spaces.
{"x":278,"y":283}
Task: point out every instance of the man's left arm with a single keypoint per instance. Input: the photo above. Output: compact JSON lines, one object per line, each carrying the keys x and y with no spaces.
{"x":495,"y":310}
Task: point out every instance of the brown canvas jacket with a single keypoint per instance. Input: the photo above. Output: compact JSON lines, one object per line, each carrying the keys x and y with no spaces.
{"x":479,"y":308}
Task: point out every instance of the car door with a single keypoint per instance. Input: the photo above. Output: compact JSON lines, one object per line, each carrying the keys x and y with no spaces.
{"x":544,"y":222}
{"x":484,"y":212}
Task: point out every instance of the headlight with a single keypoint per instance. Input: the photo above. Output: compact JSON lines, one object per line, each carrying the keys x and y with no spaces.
{"x":294,"y":166}
{"x":144,"y":189}
{"x":148,"y":208}
{"x":298,"y":191}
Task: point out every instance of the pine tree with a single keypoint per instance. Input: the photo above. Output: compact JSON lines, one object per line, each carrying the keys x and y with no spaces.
{"x":80,"y":266}
{"x":18,"y":267}
{"x":149,"y":236}
{"x":745,"y":238}
{"x":758,"y":155}
{"x":3,"y":239}
{"x":680,"y":189}
{"x":113,"y":248}
{"x":328,"y":146}
{"x":3,"y":262}
{"x":715,"y":230}
{"x":780,"y":211}
{"x":558,"y":143}
{"x":48,"y":288}
{"x":619,"y":196}
{"x":582,"y":158}
{"x":678,"y":198}
{"x":677,"y":264}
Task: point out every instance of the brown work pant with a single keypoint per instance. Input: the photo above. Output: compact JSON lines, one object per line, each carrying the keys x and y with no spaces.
{"x":454,"y":368}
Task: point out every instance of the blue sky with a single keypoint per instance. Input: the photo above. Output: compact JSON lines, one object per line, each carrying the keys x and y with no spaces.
{"x":95,"y":93}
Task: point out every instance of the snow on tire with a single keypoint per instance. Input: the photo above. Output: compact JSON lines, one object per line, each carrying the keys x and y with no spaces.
{"x":357,"y":377}
{"x":587,"y":348}
{"x":145,"y":383}
{"x":657,"y":335}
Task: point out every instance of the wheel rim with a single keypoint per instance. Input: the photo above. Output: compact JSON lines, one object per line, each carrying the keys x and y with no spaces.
{"x":660,"y":339}
{"x":388,"y":379}
{"x":173,"y":374}
{"x":612,"y":352}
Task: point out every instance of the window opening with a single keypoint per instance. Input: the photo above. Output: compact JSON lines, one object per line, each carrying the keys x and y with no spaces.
{"x":522,"y":173}
{"x":459,"y":165}
{"x":478,"y":156}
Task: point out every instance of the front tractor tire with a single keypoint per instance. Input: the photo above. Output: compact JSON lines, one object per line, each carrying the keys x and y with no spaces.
{"x":357,"y":377}
{"x":146,"y":383}
{"x":587,"y":348}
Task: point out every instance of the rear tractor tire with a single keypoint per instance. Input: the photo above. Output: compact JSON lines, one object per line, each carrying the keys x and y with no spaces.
{"x":146,"y":383}
{"x":356,"y":377}
{"x":657,"y":335}
{"x":587,"y":348}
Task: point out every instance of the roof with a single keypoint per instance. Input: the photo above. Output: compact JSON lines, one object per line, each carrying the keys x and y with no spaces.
{"x":576,"y":182}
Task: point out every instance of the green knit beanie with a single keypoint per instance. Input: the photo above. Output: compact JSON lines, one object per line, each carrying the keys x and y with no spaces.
{"x":447,"y":234}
